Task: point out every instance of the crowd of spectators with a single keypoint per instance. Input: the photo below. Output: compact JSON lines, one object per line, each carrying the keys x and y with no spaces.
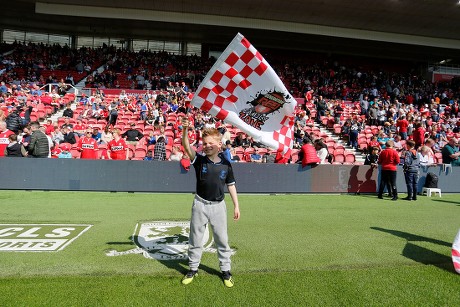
{"x":362,"y":102}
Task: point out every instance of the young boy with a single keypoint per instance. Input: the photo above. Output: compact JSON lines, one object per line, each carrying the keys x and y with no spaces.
{"x":373,"y":157}
{"x":213,"y":172}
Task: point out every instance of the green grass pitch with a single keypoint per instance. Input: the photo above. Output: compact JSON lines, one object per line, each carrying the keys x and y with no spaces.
{"x":292,"y":250}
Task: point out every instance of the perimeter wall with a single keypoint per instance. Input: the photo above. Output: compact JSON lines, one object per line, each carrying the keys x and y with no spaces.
{"x":154,"y":176}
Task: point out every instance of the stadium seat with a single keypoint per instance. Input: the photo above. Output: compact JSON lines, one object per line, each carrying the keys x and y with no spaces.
{"x":75,"y":153}
{"x":339,"y":158}
{"x":350,"y":157}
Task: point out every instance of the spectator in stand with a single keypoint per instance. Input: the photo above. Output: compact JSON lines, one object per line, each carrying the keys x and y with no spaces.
{"x":451,"y":153}
{"x":321,"y":108}
{"x":68,"y":112}
{"x":381,"y":115}
{"x":151,"y":138}
{"x":192,"y":136}
{"x":148,"y":156}
{"x":373,"y":142}
{"x":307,"y":153}
{"x":321,"y":151}
{"x":132,"y":135}
{"x":382,"y":139}
{"x":299,"y":135}
{"x":301,"y":119}
{"x":2,"y":115}
{"x":49,"y":127}
{"x":238,"y":141}
{"x":338,"y":110}
{"x":418,"y":135}
{"x":69,"y":136}
{"x":159,"y":151}
{"x":364,"y":104}
{"x":65,"y":152}
{"x":3,"y":88}
{"x":97,"y":135}
{"x":398,"y":145}
{"x":14,"y":121}
{"x":388,"y":160}
{"x":143,"y":110}
{"x":117,"y":149}
{"x":57,"y":137}
{"x":373,"y":115}
{"x":113,"y":115}
{"x":176,"y":154}
{"x":249,"y":142}
{"x":79,"y":128}
{"x":83,"y":100}
{"x":229,"y":153}
{"x":255,"y":156}
{"x":50,"y":142}
{"x":86,"y":113}
{"x":372,"y":157}
{"x":425,"y":156}
{"x":355,"y":128}
{"x":97,"y":112}
{"x":106,"y":135}
{"x":88,"y":146}
{"x":39,"y":146}
{"x":402,"y":125}
{"x":14,"y":149}
{"x":24,"y":136}
{"x":4,"y":137}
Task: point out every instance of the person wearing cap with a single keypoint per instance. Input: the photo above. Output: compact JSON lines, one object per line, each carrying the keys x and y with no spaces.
{"x":65,"y":152}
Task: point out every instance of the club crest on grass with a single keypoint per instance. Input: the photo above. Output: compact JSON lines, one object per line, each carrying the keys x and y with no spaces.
{"x":164,"y":240}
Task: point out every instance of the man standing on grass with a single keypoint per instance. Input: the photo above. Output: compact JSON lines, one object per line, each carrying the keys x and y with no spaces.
{"x":411,"y":167}
{"x":389,"y":160}
{"x":213,"y":172}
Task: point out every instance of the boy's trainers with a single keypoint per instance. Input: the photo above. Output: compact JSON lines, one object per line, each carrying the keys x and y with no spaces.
{"x":228,"y":279}
{"x":188,"y":278}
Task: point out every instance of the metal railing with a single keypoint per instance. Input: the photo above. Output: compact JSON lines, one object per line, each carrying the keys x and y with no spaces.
{"x":51,"y":86}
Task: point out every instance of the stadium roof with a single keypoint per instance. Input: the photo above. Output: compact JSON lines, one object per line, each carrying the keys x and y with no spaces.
{"x":420,"y":30}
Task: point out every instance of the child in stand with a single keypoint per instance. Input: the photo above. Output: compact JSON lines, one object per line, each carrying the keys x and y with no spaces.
{"x":372,"y":158}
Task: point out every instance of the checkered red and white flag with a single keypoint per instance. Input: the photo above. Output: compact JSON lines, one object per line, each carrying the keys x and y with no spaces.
{"x":456,"y":253}
{"x":243,"y":90}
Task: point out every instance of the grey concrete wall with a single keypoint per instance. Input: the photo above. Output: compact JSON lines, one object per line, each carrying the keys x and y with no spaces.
{"x":153,"y":176}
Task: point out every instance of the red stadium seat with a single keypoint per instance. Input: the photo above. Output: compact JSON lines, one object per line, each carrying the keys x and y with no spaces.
{"x":350,"y":157}
{"x":339,"y":158}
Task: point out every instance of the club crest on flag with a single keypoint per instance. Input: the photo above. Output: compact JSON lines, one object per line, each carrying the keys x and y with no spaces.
{"x":243,"y":90}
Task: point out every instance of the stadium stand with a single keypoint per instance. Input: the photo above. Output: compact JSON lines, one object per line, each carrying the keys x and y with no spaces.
{"x":164,"y":87}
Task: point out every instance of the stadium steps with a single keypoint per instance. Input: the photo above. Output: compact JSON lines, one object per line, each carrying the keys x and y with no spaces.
{"x":358,"y":155}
